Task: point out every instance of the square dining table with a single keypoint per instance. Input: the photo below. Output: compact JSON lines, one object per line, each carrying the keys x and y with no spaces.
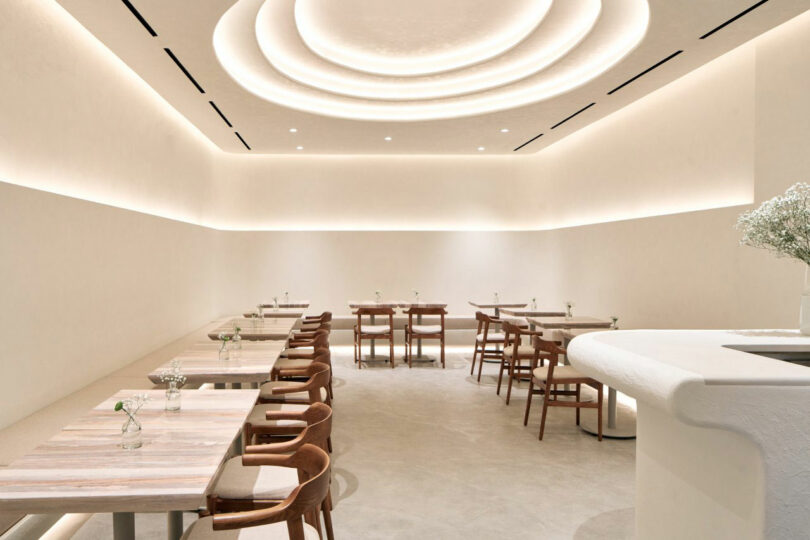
{"x":497,"y":306}
{"x":201,"y":363}
{"x":280,"y":313}
{"x":421,"y":304}
{"x":84,"y":469}
{"x":266,"y":329}
{"x":298,"y":304}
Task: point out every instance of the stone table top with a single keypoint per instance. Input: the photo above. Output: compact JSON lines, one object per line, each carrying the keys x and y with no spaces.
{"x":269,"y":328}
{"x":499,"y":305}
{"x":297,"y":304}
{"x":296,"y":313}
{"x":354,"y":304}
{"x":201,"y":364}
{"x":549,"y":323}
{"x":84,"y":469}
{"x":529,"y":312}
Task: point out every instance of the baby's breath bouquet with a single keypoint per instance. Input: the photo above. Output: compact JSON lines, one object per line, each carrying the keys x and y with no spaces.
{"x":782,"y":226}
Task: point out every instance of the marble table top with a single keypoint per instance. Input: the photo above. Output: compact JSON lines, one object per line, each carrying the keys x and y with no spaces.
{"x":201,"y":364}
{"x":499,"y":305}
{"x":297,"y":304}
{"x":296,"y":313}
{"x":354,"y":304}
{"x":269,"y":328}
{"x":421,"y":304}
{"x":84,"y":469}
{"x":574,"y":322}
{"x":529,"y":312}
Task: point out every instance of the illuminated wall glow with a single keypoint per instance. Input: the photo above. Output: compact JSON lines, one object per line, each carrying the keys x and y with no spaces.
{"x":526,"y":73}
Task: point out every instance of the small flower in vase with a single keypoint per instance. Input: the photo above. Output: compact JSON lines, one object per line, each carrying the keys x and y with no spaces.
{"x":614,"y":322}
{"x":569,"y":309}
{"x":236,"y":340}
{"x":260,"y":310}
{"x":275,"y":303}
{"x":496,"y":299}
{"x":534,"y":303}
{"x":416,"y":296}
{"x":287,"y":298}
{"x":377,"y":296}
{"x":131,"y":430}
{"x":174,"y":380}
{"x":223,"y":349}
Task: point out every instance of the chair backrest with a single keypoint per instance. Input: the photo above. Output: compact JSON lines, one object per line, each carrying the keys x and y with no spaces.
{"x":548,"y":347}
{"x":313,"y":464}
{"x":484,"y":321}
{"x":319,"y":374}
{"x":317,"y":431}
{"x":413,"y":310}
{"x":323,"y":355}
{"x":368,"y":311}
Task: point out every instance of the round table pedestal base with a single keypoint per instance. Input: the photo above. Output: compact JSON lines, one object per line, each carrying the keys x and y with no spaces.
{"x":625,"y":427}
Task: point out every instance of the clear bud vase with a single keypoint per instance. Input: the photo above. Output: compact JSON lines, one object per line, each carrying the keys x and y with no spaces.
{"x":236,"y":346}
{"x":131,"y":435}
{"x":224,"y":353}
{"x":804,"y":313}
{"x":172,"y":397}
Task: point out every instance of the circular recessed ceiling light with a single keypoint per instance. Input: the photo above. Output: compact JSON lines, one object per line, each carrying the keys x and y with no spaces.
{"x":388,"y":138}
{"x":293,"y":130}
{"x":481,"y":148}
{"x":294,"y":76}
{"x":505,"y":130}
{"x":299,"y":147}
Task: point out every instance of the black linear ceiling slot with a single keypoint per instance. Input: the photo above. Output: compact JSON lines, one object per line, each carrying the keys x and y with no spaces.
{"x":183,"y":69}
{"x":649,"y":69}
{"x":241,"y":139}
{"x":220,"y":113}
{"x":139,"y":17}
{"x":527,"y":142}
{"x":583,"y":109}
{"x":734,"y":18}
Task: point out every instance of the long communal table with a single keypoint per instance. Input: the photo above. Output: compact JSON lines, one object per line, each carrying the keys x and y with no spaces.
{"x":200,"y":363}
{"x":266,"y":329}
{"x":84,"y":469}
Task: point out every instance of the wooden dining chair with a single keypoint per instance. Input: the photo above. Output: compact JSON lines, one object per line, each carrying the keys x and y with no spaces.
{"x":517,"y":358}
{"x":313,"y":390}
{"x":373,"y":331}
{"x":296,"y":517}
{"x":423,"y":331}
{"x":241,"y":486}
{"x":295,"y":368}
{"x":485,"y":336}
{"x":548,"y":378}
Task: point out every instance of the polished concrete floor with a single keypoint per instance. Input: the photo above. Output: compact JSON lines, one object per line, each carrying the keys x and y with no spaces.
{"x":426,"y":453}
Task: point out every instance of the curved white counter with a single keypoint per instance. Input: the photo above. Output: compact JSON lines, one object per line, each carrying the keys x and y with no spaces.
{"x":723,"y":447}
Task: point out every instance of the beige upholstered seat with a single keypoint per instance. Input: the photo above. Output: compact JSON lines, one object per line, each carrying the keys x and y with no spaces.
{"x":375,"y":329}
{"x":492,"y":337}
{"x":264,"y":482}
{"x":203,"y":529}
{"x":560,"y":373}
{"x":427,"y":328}
{"x":292,"y":363}
{"x":266,"y":392}
{"x":258,"y":416}
{"x":523,"y":351}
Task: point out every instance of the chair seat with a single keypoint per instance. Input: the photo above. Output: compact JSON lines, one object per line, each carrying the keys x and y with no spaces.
{"x":292,"y":363}
{"x":561,"y":373}
{"x":266,"y":392}
{"x":375,"y":329}
{"x":492,"y":337}
{"x":426,"y":329}
{"x":524,"y":351}
{"x":203,"y":529}
{"x":258,"y":416}
{"x":267,"y":482}
{"x":298,"y":352}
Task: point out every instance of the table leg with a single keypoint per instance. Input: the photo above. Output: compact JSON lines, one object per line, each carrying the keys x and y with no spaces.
{"x":419,"y":340}
{"x":372,"y":354}
{"x":611,"y":408}
{"x":123,"y":526}
{"x":219,"y":386}
{"x":175,"y":524}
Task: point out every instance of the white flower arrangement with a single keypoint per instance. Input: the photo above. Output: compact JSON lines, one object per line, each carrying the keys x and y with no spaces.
{"x":131,"y":407}
{"x":224,"y":338}
{"x":780,"y":225}
{"x":173,"y":375}
{"x":378,"y":296}
{"x":569,"y":309}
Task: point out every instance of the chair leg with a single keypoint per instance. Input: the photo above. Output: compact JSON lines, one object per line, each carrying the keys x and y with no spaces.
{"x":442,"y":352}
{"x":528,"y":403}
{"x":480,"y":364}
{"x":409,"y":346}
{"x":545,"y":411}
{"x":327,"y":516}
{"x":579,"y":387}
{"x":391,"y":348}
{"x":475,"y":353}
{"x":500,"y":376}
{"x":512,"y":367}
{"x":599,"y":412}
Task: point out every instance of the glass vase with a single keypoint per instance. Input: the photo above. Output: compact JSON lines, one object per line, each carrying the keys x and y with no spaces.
{"x":172,"y":397}
{"x":224,"y":353}
{"x":131,"y":435}
{"x":804,"y":313}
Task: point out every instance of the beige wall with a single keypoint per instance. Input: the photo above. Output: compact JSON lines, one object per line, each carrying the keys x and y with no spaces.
{"x":105,"y":285}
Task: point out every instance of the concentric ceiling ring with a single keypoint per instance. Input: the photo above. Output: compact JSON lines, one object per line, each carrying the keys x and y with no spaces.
{"x":258,"y":44}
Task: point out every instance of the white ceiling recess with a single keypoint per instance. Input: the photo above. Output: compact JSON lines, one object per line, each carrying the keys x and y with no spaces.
{"x":477,"y":77}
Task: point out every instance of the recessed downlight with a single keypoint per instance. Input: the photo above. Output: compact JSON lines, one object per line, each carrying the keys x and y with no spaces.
{"x":481,"y":148}
{"x":299,"y":147}
{"x":293,"y":130}
{"x":387,"y":138}
{"x":504,"y":130}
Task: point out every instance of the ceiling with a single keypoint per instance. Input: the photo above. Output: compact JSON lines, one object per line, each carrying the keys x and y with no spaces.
{"x":478,"y":77}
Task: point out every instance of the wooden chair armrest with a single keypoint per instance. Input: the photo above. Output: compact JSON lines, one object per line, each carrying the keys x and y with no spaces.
{"x":284,"y":415}
{"x":239,"y":520}
{"x":252,"y":460}
{"x":275,"y":448}
{"x":290,"y":389}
